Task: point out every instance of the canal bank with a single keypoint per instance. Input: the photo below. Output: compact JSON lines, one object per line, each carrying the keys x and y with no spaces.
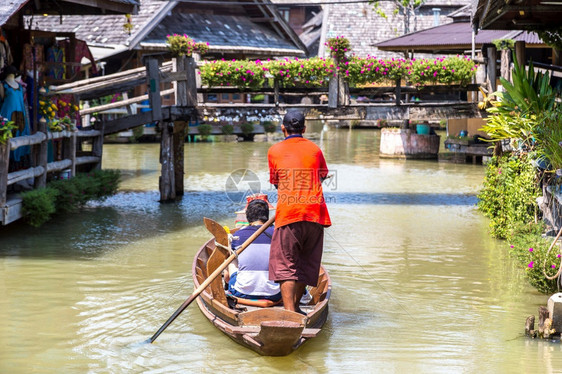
{"x":418,"y":284}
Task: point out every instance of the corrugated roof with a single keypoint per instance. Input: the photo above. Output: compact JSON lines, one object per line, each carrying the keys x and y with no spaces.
{"x":108,"y":29}
{"x":8,"y":8}
{"x":218,"y":30}
{"x":457,"y":34}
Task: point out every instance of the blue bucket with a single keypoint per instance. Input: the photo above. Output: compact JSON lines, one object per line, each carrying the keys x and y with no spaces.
{"x":422,"y":129}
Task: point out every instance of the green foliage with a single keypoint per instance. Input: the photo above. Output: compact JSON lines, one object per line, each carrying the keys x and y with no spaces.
{"x":39,"y":205}
{"x":512,"y":127}
{"x":338,"y":47}
{"x":183,"y":45}
{"x":509,"y":194}
{"x":503,"y":44}
{"x":531,"y":250}
{"x":205,"y":129}
{"x":316,"y":71}
{"x":269,"y":126}
{"x":548,"y":137}
{"x":247,"y":129}
{"x":310,"y":72}
{"x":6,"y":130}
{"x":551,"y":37}
{"x":67,"y":195}
{"x":227,"y":129}
{"x":530,"y":93}
{"x":406,"y":7}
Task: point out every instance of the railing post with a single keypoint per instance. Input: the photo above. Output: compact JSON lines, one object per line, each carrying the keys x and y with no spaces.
{"x":398,"y":92}
{"x":276,"y":92}
{"x":69,"y":152}
{"x":153,"y":83}
{"x":97,"y":143}
{"x":41,"y":180}
{"x":492,"y":63}
{"x":4,"y":165}
{"x":333,"y":92}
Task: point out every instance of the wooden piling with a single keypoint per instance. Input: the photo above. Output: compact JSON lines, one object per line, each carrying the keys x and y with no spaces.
{"x":167,"y":184}
{"x":179,"y":134}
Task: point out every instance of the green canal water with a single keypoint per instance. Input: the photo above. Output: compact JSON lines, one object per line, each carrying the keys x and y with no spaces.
{"x":418,"y":284}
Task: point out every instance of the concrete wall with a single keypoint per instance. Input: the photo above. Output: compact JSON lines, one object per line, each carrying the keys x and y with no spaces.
{"x":405,"y":143}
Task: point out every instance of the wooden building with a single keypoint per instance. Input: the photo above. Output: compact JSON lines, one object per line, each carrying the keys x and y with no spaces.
{"x":232,"y":31}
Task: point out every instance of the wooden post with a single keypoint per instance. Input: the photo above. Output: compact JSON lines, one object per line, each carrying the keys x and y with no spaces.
{"x":153,"y":83}
{"x":167,"y":183}
{"x":492,"y":67}
{"x":97,"y":144}
{"x":180,"y":131}
{"x":343,"y":91}
{"x":69,"y":152}
{"x":520,"y":52}
{"x":505,"y":63}
{"x":333,"y":92}
{"x":198,"y":80}
{"x":4,"y":165}
{"x":192,"y":85}
{"x":41,"y":180}
{"x":276,"y":92}
{"x":398,"y":92}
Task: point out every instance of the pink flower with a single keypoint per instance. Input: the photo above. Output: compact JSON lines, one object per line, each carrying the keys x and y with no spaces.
{"x":530,"y":249}
{"x":558,"y":256}
{"x":553,"y":266}
{"x":510,"y":246}
{"x":531,"y":264}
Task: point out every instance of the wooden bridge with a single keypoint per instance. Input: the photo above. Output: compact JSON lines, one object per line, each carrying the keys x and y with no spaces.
{"x":172,"y":120}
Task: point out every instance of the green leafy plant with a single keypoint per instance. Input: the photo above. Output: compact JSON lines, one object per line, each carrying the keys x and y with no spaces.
{"x":204,"y":129}
{"x":338,"y":46}
{"x":509,"y":193}
{"x":39,"y":205}
{"x":269,"y":126}
{"x":530,"y":93}
{"x":183,"y":45}
{"x":504,"y":44}
{"x":531,"y":251}
{"x":227,"y":129}
{"x":68,"y":195}
{"x":548,"y":137}
{"x":6,"y":130}
{"x":247,"y":129}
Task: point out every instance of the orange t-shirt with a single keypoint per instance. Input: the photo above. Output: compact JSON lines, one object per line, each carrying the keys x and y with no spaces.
{"x":297,"y":166}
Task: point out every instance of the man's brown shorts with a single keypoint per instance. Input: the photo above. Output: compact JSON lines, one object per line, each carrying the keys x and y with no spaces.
{"x":296,"y":252}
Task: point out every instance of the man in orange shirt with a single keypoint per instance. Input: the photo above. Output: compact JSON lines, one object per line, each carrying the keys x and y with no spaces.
{"x":297,"y":168}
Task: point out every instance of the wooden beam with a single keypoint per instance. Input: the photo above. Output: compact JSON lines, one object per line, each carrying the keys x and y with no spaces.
{"x":119,"y":104}
{"x":128,"y":122}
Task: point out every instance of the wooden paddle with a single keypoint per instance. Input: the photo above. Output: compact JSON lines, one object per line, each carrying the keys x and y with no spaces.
{"x":210,"y":278}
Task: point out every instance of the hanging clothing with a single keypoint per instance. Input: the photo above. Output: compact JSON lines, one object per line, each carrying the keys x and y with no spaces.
{"x":56,"y":60}
{"x":28,"y":57}
{"x":14,"y":109}
{"x":81,"y":50}
{"x":5,"y":53}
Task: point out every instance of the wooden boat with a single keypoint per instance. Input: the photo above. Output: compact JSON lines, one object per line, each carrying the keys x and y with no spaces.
{"x":270,"y":331}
